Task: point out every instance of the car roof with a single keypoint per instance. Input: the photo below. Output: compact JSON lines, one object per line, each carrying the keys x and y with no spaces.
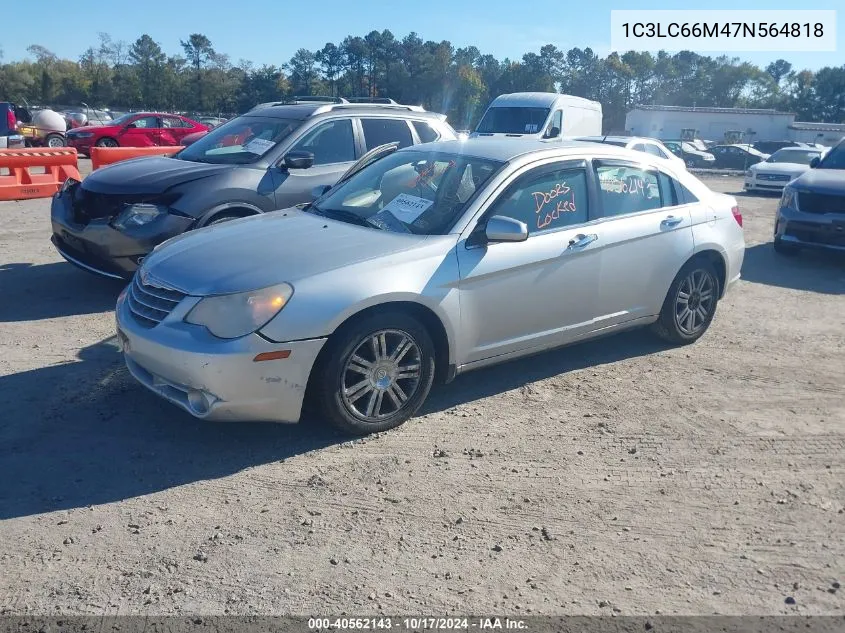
{"x":507,"y":149}
{"x":302,"y":111}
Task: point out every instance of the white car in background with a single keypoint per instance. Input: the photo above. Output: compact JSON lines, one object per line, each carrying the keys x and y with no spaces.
{"x":641,"y":144}
{"x":786,"y":164}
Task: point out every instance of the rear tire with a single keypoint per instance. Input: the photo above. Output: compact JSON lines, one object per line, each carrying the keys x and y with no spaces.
{"x":690,"y":304}
{"x":376,"y":374}
{"x":787,"y":250}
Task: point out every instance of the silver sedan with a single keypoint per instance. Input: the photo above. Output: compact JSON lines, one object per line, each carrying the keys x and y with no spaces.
{"x":425,"y":263}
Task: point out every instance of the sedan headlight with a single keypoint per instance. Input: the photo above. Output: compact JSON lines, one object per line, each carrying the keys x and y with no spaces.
{"x":236,"y":315}
{"x":67,"y":184}
{"x":83,"y":134}
{"x":134,"y":215}
{"x":789,"y":198}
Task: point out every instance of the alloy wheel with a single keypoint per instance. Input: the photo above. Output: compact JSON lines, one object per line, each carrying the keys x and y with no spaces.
{"x":381,"y":375}
{"x":695,"y":301}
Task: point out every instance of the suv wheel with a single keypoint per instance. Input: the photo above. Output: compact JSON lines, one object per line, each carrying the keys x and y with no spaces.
{"x":377,"y":373}
{"x":55,"y":140}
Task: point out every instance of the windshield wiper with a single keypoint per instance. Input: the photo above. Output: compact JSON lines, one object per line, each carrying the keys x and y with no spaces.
{"x":340,"y":214}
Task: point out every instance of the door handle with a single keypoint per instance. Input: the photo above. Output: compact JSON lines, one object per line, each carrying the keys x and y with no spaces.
{"x":582,"y":240}
{"x":671,"y":221}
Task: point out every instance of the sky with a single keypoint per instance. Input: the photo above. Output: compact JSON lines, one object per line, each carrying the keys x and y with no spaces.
{"x":268,"y":31}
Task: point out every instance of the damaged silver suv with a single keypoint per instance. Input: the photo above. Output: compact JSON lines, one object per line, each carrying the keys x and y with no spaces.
{"x":271,"y":158}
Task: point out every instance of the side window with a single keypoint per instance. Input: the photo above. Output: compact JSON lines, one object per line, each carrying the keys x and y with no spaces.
{"x":546,"y":199}
{"x":144,"y":122}
{"x":330,"y":142}
{"x":556,"y":122}
{"x":380,"y":131}
{"x":686,"y":196}
{"x":625,"y":189}
{"x":426,"y":133}
{"x":171,"y":122}
{"x":654,"y":150}
{"x":639,"y":147}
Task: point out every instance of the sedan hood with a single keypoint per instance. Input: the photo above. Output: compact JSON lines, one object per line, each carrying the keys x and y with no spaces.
{"x":90,"y":128}
{"x":149,"y":174}
{"x":267,"y":249}
{"x":779,"y":168}
{"x":822,"y":181}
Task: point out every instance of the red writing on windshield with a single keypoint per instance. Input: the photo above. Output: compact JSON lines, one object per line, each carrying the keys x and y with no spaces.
{"x":564,"y":202}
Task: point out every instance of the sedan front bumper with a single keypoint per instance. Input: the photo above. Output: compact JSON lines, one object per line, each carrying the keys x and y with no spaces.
{"x":212,"y":378}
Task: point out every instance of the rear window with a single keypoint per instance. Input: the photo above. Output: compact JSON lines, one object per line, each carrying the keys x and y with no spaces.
{"x":513,"y":120}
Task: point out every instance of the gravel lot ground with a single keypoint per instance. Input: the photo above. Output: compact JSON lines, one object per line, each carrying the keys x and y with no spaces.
{"x":616,"y":476}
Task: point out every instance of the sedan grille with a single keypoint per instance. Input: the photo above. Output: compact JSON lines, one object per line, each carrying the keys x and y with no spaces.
{"x":151,"y":304}
{"x":774,"y":177}
{"x":820,"y":202}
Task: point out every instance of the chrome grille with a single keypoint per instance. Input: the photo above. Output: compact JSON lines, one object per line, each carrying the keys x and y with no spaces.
{"x":151,"y":304}
{"x":774,"y":177}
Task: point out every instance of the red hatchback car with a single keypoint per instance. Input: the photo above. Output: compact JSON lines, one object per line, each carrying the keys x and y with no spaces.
{"x":137,"y":129}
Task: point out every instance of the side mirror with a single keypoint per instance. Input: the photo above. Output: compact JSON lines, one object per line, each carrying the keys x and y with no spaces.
{"x":298,"y":160}
{"x":502,"y":229}
{"x":554,"y":132}
{"x":815,"y":162}
{"x":319,"y":191}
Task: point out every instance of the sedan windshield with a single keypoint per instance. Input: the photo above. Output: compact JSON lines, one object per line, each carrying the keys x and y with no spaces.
{"x":240,"y":141}
{"x":834,"y":159}
{"x":797,"y":156}
{"x":423,"y":193}
{"x":513,"y":120}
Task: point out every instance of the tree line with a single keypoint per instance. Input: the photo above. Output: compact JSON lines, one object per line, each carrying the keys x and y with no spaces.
{"x":457,"y":81}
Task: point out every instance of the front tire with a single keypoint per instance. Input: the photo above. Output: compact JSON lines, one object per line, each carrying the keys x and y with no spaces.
{"x":377,"y":373}
{"x":690,"y":304}
{"x":107,"y":142}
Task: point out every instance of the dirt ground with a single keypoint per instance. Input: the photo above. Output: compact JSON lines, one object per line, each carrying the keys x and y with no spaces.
{"x":618,"y":476}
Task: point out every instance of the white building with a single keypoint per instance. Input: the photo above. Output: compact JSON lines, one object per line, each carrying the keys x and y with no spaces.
{"x":825,"y":133}
{"x":670,"y":122}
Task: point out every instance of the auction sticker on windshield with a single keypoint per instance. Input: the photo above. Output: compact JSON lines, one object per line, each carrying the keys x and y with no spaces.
{"x":258,"y":146}
{"x":407,"y":208}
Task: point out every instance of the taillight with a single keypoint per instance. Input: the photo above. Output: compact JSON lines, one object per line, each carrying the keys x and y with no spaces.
{"x":737,"y":215}
{"x":11,"y":121}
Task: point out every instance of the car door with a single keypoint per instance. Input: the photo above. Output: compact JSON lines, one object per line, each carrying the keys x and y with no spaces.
{"x":646,"y":236}
{"x":332,"y":143}
{"x":518,"y":296}
{"x":173,"y":130}
{"x":142,"y":131}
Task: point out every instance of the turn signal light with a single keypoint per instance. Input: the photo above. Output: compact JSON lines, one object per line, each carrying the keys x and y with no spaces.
{"x":280,"y":355}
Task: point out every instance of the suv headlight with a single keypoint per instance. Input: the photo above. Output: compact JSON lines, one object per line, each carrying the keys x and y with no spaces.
{"x":749,"y":173}
{"x":134,"y":215}
{"x":242,"y":313}
{"x":789,"y":198}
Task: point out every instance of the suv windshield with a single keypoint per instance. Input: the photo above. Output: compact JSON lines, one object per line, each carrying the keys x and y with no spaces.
{"x":834,"y":159}
{"x":802,"y":157}
{"x":240,"y":141}
{"x":513,"y":121}
{"x":423,"y":193}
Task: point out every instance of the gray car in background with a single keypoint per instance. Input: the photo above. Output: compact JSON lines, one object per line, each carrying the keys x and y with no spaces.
{"x":270,"y":158}
{"x":429,"y":262}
